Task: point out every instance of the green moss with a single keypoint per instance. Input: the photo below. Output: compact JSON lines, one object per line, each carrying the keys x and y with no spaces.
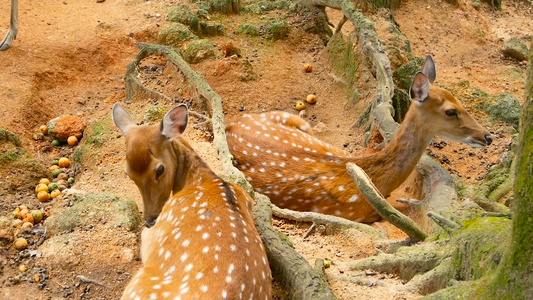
{"x":247,"y":29}
{"x":198,"y":50}
{"x":342,"y":58}
{"x":404,"y":75}
{"x":277,"y":29}
{"x":99,"y":132}
{"x":15,"y":158}
{"x":154,"y":113}
{"x":79,"y":154}
{"x":480,"y":245}
{"x":96,"y":208}
{"x":175,"y":35}
{"x":401,"y":102}
{"x":7,"y":136}
{"x":505,"y":108}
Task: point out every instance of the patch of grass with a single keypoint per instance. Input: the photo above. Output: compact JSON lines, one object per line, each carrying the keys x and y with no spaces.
{"x":98,"y":133}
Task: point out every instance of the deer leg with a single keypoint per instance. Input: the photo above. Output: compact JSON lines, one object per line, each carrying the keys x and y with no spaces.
{"x":13,"y":28}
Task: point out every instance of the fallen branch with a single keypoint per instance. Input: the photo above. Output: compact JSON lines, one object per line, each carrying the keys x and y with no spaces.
{"x":321,"y":219}
{"x":87,"y":280}
{"x":382,"y":207}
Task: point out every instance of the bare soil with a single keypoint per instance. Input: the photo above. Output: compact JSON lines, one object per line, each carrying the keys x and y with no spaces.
{"x":70,"y":58}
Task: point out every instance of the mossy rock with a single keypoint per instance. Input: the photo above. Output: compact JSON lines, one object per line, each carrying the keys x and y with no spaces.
{"x":247,"y":73}
{"x":516,"y":49}
{"x":401,"y":102}
{"x":19,"y":169}
{"x":90,"y":208}
{"x":175,"y":35}
{"x":225,"y":6}
{"x":254,"y":9}
{"x":404,"y":74}
{"x":277,"y":29}
{"x":183,"y":14}
{"x":247,"y":29}
{"x":480,"y":245}
{"x":506,"y":108}
{"x":7,"y":136}
{"x":211,"y":28}
{"x":198,"y":50}
{"x":154,"y":113}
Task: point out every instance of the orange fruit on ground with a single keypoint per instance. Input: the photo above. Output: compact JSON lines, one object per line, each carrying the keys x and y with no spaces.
{"x":20,"y":243}
{"x":53,"y":168}
{"x":64,"y":162}
{"x":55,"y":193}
{"x":43,"y":196}
{"x":44,"y":181}
{"x":43,"y":129}
{"x":311,"y":99}
{"x":308,"y":68}
{"x":300,"y":105}
{"x":72,"y":140}
{"x":41,"y":187}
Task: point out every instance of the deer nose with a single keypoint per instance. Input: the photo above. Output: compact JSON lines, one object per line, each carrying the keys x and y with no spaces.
{"x":149,"y":224}
{"x":488,"y":139}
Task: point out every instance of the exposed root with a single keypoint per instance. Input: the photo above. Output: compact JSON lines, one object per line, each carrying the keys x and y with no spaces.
{"x":424,"y":284}
{"x":341,"y":23}
{"x":448,"y":225}
{"x":412,"y":202}
{"x":406,"y":263}
{"x":382,"y":207}
{"x":332,"y":222}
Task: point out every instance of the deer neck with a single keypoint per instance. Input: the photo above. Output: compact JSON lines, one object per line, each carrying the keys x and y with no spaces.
{"x":191,"y":169}
{"x":391,"y":166}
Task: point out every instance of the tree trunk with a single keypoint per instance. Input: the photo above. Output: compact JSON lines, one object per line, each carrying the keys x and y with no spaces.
{"x":514,"y":278}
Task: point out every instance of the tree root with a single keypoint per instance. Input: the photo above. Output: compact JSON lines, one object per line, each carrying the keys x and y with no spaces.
{"x":406,"y":263}
{"x":382,"y":207}
{"x":332,"y":222}
{"x":446,"y":224}
{"x":424,"y":284}
{"x":288,"y":267}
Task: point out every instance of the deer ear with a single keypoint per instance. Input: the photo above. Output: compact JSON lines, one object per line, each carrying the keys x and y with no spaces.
{"x":121,"y":118}
{"x":429,"y":69}
{"x":420,"y":88}
{"x":175,"y":122}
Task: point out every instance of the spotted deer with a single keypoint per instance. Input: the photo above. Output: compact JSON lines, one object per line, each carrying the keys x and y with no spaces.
{"x":203,"y":243}
{"x":281,"y":158}
{"x":13,"y":27}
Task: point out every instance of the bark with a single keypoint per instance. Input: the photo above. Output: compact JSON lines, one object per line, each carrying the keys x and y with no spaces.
{"x":514,"y":278}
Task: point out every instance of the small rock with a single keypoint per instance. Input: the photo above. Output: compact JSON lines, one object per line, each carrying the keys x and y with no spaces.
{"x":516,"y":49}
{"x":65,"y":126}
{"x":320,"y":127}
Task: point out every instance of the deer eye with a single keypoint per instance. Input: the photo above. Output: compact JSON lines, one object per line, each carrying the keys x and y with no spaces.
{"x":159,"y":171}
{"x":451,"y":113}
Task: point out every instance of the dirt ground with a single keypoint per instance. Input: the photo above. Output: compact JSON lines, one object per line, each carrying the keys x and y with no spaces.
{"x":70,"y":57}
